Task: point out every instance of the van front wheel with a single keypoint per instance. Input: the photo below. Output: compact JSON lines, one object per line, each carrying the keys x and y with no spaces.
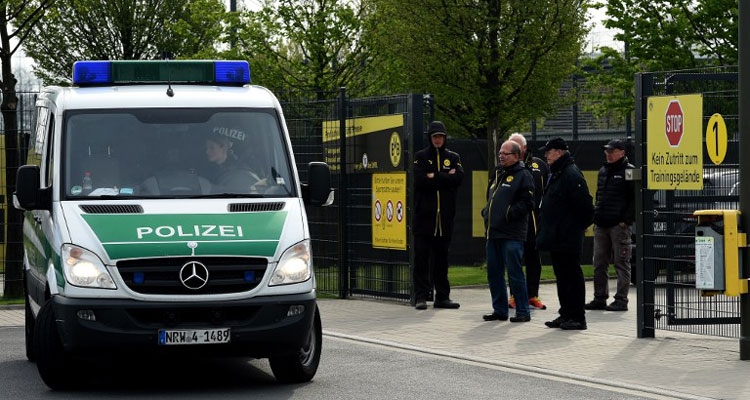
{"x":301,"y":366}
{"x":52,"y":362}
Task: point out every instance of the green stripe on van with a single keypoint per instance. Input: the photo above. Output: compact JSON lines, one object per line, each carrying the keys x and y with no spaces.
{"x":158,"y":235}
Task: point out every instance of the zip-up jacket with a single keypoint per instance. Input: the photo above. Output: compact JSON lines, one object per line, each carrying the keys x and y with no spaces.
{"x":510,"y":200}
{"x":615,"y":197}
{"x":435,"y":198}
{"x":567,"y":208}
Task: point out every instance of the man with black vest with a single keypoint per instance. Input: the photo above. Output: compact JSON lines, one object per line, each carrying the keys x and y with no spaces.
{"x":613,"y":215}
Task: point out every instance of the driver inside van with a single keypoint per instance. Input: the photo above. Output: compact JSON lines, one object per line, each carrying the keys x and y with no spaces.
{"x":227,"y":169}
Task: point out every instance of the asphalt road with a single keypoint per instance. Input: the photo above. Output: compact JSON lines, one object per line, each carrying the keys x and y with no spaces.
{"x":349,"y":370}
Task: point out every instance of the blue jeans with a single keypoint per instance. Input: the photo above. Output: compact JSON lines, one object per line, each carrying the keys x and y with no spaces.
{"x":507,"y":254}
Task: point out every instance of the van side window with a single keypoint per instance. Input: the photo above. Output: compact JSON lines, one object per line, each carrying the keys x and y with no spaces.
{"x":50,"y":155}
{"x":36,"y":145}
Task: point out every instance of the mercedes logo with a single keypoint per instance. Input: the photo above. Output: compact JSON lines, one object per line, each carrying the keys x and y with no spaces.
{"x":194,"y":275}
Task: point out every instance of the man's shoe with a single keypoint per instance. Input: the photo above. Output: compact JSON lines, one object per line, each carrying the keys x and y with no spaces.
{"x":421,"y":305}
{"x":617,"y":306}
{"x":537,"y":303}
{"x":511,"y":302}
{"x":555,"y":323}
{"x":572,"y":325}
{"x":520,"y":318}
{"x":596,"y":304}
{"x":446,"y":304}
{"x":494,"y":317}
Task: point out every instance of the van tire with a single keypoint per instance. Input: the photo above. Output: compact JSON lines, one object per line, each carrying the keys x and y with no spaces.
{"x":301,"y":366}
{"x":29,"y":330}
{"x":51,"y":361}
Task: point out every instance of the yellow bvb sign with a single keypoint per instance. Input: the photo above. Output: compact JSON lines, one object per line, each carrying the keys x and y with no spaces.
{"x":389,"y":211}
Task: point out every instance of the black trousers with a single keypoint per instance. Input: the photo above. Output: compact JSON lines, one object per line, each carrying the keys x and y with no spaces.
{"x":571,"y":287}
{"x":431,"y":267}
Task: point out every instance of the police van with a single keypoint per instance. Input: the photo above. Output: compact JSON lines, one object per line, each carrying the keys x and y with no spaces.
{"x":164,"y":214}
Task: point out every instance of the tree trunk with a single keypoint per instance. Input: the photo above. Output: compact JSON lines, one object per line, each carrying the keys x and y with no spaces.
{"x":14,"y":221}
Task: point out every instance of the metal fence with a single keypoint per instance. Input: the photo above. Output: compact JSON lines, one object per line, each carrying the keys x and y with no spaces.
{"x":666,"y":237}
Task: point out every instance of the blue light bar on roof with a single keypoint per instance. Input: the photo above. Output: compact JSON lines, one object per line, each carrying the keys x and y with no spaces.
{"x":100,"y":73}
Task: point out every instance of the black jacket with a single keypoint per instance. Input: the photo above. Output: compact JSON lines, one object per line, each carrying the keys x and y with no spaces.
{"x":435,"y":198}
{"x":615,"y":197}
{"x":567,"y":208}
{"x":540,"y":172}
{"x":510,"y":200}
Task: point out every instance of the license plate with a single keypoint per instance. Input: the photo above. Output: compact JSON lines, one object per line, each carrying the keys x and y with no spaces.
{"x":168,"y":337}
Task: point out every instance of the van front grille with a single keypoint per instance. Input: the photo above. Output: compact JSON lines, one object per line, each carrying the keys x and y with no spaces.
{"x":256,"y":207}
{"x":112,"y":208}
{"x":186,"y":275}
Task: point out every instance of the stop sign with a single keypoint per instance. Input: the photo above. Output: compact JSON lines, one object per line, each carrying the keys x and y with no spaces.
{"x":673,"y":123}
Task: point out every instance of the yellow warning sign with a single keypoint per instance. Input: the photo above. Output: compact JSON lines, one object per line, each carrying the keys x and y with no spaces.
{"x":389,"y":211}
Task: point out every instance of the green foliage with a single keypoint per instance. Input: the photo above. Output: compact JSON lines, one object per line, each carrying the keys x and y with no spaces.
{"x":659,"y":35}
{"x":491,"y":65}
{"x":126,"y":30}
{"x":307,"y":45}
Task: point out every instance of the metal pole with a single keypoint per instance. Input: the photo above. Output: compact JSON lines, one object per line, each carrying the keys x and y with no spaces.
{"x":744,"y":132}
{"x":343,"y":200}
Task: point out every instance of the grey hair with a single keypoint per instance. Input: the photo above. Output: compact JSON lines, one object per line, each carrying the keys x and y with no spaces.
{"x":521,"y":139}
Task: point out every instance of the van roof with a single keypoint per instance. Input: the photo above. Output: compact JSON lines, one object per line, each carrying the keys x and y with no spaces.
{"x":155,"y":96}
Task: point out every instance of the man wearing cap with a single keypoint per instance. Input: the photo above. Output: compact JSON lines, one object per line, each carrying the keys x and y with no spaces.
{"x":567,"y":209}
{"x":613,"y":215}
{"x":438,"y":174}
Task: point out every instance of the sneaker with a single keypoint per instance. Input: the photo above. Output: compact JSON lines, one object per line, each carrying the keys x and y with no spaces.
{"x":421,"y":305}
{"x":617,"y":305}
{"x":448,"y":303}
{"x":596,"y":304}
{"x":536,"y":302}
{"x":572,"y":325}
{"x":511,"y":302}
{"x":555,"y":323}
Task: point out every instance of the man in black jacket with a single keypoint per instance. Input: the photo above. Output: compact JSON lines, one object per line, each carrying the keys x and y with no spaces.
{"x":613,"y":215}
{"x":509,"y":202}
{"x":566,"y":211}
{"x":438,"y":174}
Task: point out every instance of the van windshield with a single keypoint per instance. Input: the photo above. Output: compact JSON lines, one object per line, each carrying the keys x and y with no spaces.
{"x":167,"y":153}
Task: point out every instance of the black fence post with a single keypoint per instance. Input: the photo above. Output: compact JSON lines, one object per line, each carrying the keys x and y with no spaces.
{"x":644,"y":279}
{"x":744,"y":131}
{"x":414,"y":135}
{"x":343,"y":200}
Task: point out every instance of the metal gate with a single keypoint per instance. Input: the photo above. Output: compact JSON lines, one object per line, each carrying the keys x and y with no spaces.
{"x":665,"y":242}
{"x":346,"y":262}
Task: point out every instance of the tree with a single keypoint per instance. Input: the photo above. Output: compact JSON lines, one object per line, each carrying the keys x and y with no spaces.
{"x":17,"y":19}
{"x":660,"y":35}
{"x":307,"y":45}
{"x":491,"y":64}
{"x":122,"y":30}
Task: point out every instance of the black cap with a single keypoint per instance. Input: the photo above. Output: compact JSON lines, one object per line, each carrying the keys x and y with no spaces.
{"x":436,"y":128}
{"x":556,"y":143}
{"x":614,"y":144}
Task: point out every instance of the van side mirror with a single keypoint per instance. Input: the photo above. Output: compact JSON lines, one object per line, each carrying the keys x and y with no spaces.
{"x":317,"y":191}
{"x":29,"y":195}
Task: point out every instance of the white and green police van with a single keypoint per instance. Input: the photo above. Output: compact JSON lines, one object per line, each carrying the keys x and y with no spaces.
{"x":138,"y":237}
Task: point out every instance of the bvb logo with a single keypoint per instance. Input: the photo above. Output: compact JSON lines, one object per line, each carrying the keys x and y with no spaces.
{"x":395,"y":149}
{"x":509,"y":179}
{"x":447,"y":162}
{"x":534,"y":165}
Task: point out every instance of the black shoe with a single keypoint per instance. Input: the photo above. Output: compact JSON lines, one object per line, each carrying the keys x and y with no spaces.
{"x":555,"y":323}
{"x":520,"y":318}
{"x":596,"y":304}
{"x":421,"y":305}
{"x":617,"y":305}
{"x":572,"y":325}
{"x":446,"y":304}
{"x":494,"y":317}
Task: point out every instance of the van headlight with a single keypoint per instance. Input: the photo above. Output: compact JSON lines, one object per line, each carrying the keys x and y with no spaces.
{"x":294,"y":266}
{"x":83,"y":268}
